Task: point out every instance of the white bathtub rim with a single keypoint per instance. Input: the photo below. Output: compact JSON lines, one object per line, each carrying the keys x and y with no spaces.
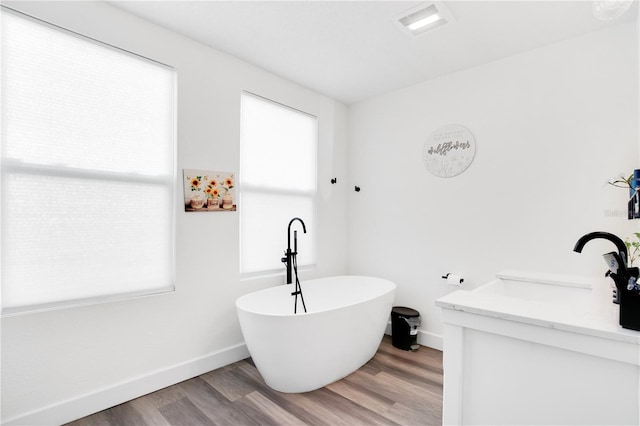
{"x":241,"y":299}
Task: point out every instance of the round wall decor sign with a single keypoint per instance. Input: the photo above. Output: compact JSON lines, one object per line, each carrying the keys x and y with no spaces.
{"x":449,"y":150}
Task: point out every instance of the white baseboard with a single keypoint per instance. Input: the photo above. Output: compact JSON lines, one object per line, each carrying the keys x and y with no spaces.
{"x":430,"y":340}
{"x":100,"y":399}
{"x":425,"y":338}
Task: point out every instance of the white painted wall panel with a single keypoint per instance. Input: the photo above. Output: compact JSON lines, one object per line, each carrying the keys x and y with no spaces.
{"x":52,"y":358}
{"x":551,"y":125}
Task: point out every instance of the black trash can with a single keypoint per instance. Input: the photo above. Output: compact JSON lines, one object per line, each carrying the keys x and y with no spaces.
{"x":404,"y":328}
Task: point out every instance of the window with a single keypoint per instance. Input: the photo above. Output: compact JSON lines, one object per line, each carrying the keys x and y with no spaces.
{"x":278,"y":148}
{"x":87,"y":171}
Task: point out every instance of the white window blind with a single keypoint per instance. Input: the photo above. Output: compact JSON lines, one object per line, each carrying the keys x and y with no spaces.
{"x":87,"y":171}
{"x":278,"y":151}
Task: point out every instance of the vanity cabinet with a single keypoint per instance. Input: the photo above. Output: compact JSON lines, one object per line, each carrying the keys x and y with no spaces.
{"x":538,"y":349}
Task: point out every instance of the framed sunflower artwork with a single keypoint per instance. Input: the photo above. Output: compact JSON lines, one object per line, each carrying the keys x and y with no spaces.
{"x":209,"y":191}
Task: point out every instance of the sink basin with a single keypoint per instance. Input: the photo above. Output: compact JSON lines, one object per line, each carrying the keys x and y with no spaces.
{"x":553,"y":291}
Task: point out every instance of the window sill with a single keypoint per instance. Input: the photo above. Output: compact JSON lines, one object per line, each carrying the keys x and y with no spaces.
{"x":272,"y":274}
{"x":80,"y":303}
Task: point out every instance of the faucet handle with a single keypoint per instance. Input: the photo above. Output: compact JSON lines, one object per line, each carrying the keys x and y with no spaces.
{"x":614,"y":262}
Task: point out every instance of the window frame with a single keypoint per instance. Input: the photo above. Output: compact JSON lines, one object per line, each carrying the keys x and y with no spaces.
{"x":262,"y":189}
{"x":168,"y":181}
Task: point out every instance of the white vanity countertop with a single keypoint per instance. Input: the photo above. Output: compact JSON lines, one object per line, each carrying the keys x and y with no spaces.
{"x":571,"y":303}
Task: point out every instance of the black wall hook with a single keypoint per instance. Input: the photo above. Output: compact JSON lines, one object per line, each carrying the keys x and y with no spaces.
{"x":334,"y":180}
{"x":357,"y":188}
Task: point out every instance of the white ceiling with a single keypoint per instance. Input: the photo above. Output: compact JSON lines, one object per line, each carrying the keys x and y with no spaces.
{"x":352,"y":50}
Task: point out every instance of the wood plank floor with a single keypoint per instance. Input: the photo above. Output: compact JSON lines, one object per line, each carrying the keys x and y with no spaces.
{"x":396,"y":387}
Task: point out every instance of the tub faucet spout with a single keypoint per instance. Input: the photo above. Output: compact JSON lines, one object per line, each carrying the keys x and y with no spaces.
{"x":290,"y":255}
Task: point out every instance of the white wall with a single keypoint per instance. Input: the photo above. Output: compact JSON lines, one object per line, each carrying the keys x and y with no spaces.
{"x":60,"y":365}
{"x":551,"y":125}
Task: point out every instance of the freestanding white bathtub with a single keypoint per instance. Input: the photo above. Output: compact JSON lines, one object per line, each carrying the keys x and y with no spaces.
{"x":342,"y":329}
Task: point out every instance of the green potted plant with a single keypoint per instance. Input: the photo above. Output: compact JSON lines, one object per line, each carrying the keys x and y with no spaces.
{"x":633,"y":247}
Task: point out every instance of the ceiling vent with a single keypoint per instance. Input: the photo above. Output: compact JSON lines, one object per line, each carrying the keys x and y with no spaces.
{"x":424,"y":17}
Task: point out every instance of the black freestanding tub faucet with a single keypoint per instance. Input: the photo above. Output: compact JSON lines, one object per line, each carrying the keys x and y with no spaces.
{"x":290,"y":260}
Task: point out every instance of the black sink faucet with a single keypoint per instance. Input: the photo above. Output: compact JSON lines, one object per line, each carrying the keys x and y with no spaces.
{"x":625,"y":278}
{"x":617,"y":262}
{"x":290,"y":255}
{"x":622,"y":248}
